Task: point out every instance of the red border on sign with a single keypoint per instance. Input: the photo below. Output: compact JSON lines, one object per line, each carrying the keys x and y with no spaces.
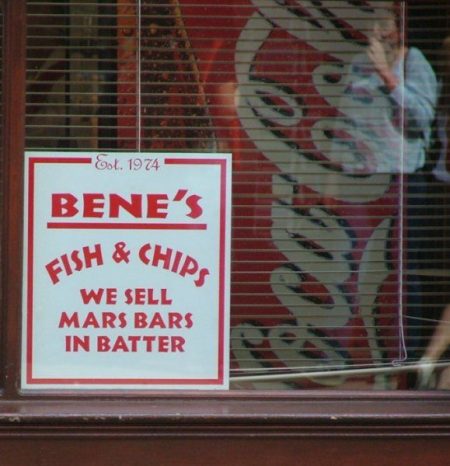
{"x":124,"y":226}
{"x":32,"y":162}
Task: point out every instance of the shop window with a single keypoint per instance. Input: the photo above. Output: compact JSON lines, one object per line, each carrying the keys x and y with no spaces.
{"x":1,"y":122}
{"x":340,"y":242}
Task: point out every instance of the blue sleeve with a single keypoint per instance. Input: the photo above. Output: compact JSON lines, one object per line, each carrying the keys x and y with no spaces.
{"x":417,"y":93}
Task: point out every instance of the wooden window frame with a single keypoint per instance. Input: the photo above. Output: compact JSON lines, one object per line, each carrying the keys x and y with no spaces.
{"x":287,"y":424}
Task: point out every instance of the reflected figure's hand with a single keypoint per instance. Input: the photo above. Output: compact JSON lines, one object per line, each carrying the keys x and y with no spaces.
{"x":377,"y":55}
{"x":383,"y":56}
{"x":426,"y":378}
{"x":438,"y":344}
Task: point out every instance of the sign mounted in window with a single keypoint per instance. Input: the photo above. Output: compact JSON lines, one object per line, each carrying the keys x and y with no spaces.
{"x":126,"y":271}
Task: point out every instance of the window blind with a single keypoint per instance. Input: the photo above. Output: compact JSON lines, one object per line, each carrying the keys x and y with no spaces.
{"x":1,"y":112}
{"x":339,"y":268}
{"x":1,"y":71}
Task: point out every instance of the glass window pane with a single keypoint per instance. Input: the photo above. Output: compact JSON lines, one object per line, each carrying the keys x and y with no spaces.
{"x":1,"y":130}
{"x":336,"y":116}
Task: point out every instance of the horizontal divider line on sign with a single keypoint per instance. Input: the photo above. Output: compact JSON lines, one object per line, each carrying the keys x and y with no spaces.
{"x":125,"y":226}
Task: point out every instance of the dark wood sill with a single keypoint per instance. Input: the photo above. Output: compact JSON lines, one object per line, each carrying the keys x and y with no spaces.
{"x":263,"y":412}
{"x":228,"y":428}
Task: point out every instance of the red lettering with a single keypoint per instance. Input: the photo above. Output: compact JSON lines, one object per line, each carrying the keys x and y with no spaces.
{"x":159,"y":255}
{"x":143,"y":254}
{"x":177,"y":344}
{"x":157,"y":205}
{"x":165,"y":300}
{"x":53,"y":270}
{"x":93,"y":204}
{"x":103,"y":344}
{"x":149,"y":339}
{"x":111,"y":295}
{"x":75,"y":343}
{"x":140,"y":320}
{"x":175,"y":319}
{"x":97,"y":295}
{"x":148,"y":296}
{"x":108,"y":320}
{"x":73,"y":261}
{"x":120,"y":345}
{"x":77,"y":262}
{"x":139,"y":296}
{"x":133,"y":207}
{"x":91,"y":295}
{"x":163,"y":344}
{"x":134,"y":341}
{"x":63,"y":205}
{"x":175,"y":261}
{"x":122,"y":320}
{"x":192,"y":203}
{"x":91,"y":321}
{"x":93,"y":256}
{"x":102,"y":320}
{"x":66,"y":321}
{"x":201,"y":277}
{"x":190,"y":267}
{"x":157,"y":321}
{"x":66,"y":264}
{"x":188,"y":319}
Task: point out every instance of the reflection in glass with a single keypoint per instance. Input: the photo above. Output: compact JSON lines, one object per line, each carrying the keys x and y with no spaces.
{"x":1,"y":136}
{"x":338,"y":127}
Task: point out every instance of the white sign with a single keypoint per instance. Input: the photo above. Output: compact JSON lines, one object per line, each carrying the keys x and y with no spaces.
{"x":126,"y":270}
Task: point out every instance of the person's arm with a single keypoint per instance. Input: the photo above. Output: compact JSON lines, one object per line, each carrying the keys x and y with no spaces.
{"x":417,"y":94}
{"x":415,"y":90}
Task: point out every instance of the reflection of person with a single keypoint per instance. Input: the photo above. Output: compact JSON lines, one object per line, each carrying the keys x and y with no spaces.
{"x":437,"y":346}
{"x":441,"y":171}
{"x":392,"y":97}
{"x":440,"y":340}
{"x":392,"y":94}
